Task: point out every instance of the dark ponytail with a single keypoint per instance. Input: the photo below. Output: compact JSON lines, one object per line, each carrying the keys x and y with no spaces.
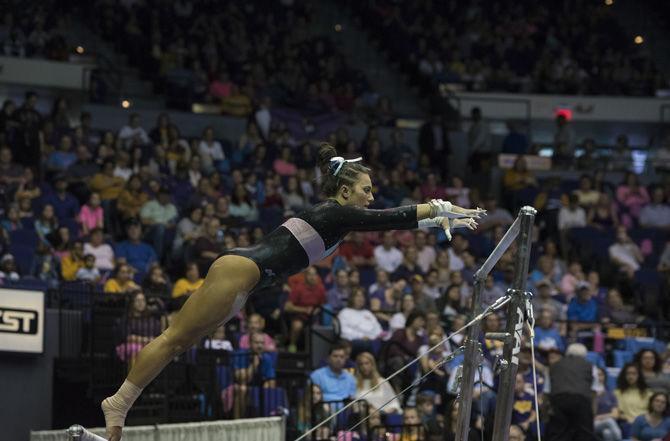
{"x":347,"y":175}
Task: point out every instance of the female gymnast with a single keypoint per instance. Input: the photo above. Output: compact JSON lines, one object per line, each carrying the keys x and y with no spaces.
{"x":299,"y":242}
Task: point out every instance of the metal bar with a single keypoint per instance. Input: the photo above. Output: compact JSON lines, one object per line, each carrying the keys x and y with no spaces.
{"x":499,"y":250}
{"x":515,"y":321}
{"x":471,"y":359}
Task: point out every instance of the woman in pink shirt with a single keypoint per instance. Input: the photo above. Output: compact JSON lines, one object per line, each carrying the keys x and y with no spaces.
{"x":91,"y":214}
{"x":284,"y":165}
{"x":632,"y":196}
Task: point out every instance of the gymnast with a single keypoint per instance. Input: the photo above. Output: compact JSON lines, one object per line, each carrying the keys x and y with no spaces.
{"x":299,"y":242}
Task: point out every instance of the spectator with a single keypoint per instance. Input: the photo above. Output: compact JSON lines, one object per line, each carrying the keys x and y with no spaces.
{"x":490,"y":292}
{"x":133,"y":133}
{"x":434,"y":142}
{"x":356,"y":322}
{"x":426,"y":253}
{"x":122,"y":282}
{"x":431,"y":288}
{"x":603,"y":215}
{"x":8,"y":270}
{"x":615,"y":311}
{"x":607,"y":411}
{"x":91,"y":215}
{"x":106,"y":184}
{"x":137,"y":328}
{"x":211,"y":152}
{"x":45,"y":266}
{"x":59,"y":160}
{"x":10,"y":173}
{"x":650,"y":364}
{"x":190,"y":283}
{"x":335,"y":383}
{"x":479,"y":143}
{"x":449,"y":305}
{"x":564,"y":139}
{"x":47,"y":224}
{"x":409,"y":266}
{"x":517,"y":180}
{"x":583,"y":307}
{"x":407,"y":306}
{"x":65,"y":205}
{"x":357,"y":250}
{"x":655,"y":423}
{"x":572,"y":279}
{"x":256,"y":325}
{"x":421,"y":299}
{"x":425,"y":404}
{"x":384,"y":302}
{"x":254,"y":367}
{"x":572,"y":216}
{"x":156,"y":284}
{"x":303,"y":299}
{"x":571,"y":396}
{"x":404,"y":346}
{"x":132,"y":198}
{"x":28,"y":187}
{"x":367,"y":377}
{"x":458,"y":193}
{"x":72,"y":261}
{"x":431,"y":189}
{"x":547,"y":335}
{"x":495,"y":216}
{"x":159,"y":216}
{"x":293,"y":198}
{"x":133,"y":251}
{"x":632,"y":197}
{"x":208,"y":246}
{"x":632,"y":392}
{"x":88,"y":273}
{"x":523,"y":411}
{"x":657,"y":213}
{"x":412,"y":429}
{"x":103,"y":252}
{"x":387,"y":256}
{"x":242,"y":206}
{"x":188,"y":229}
{"x":338,"y":295}
{"x":625,"y":253}
{"x":587,"y":196}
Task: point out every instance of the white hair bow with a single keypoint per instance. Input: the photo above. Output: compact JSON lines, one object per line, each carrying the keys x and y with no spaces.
{"x":337,"y":162}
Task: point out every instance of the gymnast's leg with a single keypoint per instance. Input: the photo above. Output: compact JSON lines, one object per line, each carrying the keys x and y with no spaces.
{"x":228,"y":281}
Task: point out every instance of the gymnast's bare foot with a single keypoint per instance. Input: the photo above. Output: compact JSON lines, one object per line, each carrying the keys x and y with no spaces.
{"x":114,"y":433}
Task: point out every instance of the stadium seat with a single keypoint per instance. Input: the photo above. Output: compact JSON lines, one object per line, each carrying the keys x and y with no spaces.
{"x":622,"y":357}
{"x":595,"y":359}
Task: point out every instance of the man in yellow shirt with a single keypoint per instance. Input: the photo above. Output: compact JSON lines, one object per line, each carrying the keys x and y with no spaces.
{"x":122,"y":282}
{"x":71,"y":262}
{"x":192,"y":281}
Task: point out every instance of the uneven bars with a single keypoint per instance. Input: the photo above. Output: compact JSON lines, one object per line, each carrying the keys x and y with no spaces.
{"x":472,"y":357}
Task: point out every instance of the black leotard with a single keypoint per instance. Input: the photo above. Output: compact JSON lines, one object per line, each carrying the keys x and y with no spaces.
{"x":314,"y":234}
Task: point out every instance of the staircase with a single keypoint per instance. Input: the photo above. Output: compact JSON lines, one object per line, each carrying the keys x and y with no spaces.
{"x":363,"y":55}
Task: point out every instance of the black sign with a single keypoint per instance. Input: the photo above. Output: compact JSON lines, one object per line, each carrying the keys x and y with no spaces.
{"x":18,"y":321}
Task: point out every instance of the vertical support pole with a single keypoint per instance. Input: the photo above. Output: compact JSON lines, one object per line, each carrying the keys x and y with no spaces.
{"x":471,"y":360}
{"x":515,"y":320}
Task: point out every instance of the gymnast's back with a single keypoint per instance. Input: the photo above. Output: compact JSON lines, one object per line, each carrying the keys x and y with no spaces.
{"x":315,"y":234}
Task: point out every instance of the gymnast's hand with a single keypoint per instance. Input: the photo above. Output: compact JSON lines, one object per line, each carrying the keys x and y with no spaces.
{"x":448,"y":224}
{"x":475,"y":213}
{"x":443,"y":208}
